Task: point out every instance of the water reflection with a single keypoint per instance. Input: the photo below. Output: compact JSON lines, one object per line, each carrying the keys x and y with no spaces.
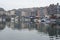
{"x":40,"y":27}
{"x":2,"y":25}
{"x":52,"y":30}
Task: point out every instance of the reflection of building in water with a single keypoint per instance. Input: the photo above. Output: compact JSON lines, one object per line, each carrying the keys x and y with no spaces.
{"x":24,"y":25}
{"x":42,"y":27}
{"x":11,"y":25}
{"x":30,"y":26}
{"x":17,"y":25}
{"x":53,"y":30}
{"x":2,"y":26}
{"x":8,"y":24}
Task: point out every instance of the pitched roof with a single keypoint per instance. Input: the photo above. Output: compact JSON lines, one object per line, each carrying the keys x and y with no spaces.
{"x":1,"y":9}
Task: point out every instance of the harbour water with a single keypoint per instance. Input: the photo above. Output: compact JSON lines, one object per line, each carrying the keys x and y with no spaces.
{"x":29,"y":31}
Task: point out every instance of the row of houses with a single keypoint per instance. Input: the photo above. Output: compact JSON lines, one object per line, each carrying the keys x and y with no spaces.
{"x":54,"y":10}
{"x":36,"y":11}
{"x":26,"y":12}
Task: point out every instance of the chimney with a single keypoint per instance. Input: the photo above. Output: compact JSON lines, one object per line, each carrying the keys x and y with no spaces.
{"x":57,"y":3}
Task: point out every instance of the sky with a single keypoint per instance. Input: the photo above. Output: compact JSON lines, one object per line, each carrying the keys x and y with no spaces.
{"x":15,"y":4}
